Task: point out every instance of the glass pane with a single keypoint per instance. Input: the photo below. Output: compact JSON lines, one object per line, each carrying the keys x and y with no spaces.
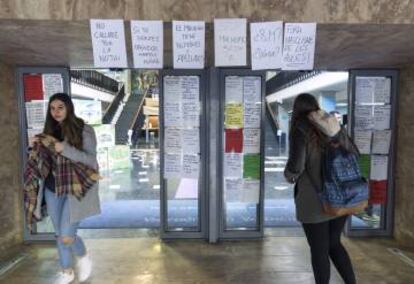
{"x":372,"y":134}
{"x":182,"y":163}
{"x":241,"y":152}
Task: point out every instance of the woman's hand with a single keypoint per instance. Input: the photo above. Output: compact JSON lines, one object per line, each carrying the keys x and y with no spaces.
{"x":33,"y":140}
{"x":59,"y":147}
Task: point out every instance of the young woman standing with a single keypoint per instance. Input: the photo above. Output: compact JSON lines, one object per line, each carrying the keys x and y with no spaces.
{"x":77,"y":142}
{"x":323,"y":232}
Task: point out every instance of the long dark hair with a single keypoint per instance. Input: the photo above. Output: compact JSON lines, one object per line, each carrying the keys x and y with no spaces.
{"x":71,"y":127}
{"x":304,"y":104}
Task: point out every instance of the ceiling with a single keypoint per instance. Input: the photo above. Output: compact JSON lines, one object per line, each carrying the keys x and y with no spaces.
{"x":338,"y":46}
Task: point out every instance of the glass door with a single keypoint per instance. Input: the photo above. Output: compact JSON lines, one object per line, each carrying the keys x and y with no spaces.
{"x":183,"y":157}
{"x":241,"y":159}
{"x":373,"y":99}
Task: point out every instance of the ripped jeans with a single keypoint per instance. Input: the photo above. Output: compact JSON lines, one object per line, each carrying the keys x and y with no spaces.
{"x":68,"y":243}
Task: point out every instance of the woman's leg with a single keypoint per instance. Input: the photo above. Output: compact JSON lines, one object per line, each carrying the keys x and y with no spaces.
{"x":317,"y":235}
{"x":54,"y":206}
{"x":338,"y":253}
{"x":69,"y":236}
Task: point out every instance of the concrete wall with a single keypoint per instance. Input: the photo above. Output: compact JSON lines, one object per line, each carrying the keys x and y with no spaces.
{"x":11,"y":228}
{"x":404,"y":194}
{"x":322,"y":11}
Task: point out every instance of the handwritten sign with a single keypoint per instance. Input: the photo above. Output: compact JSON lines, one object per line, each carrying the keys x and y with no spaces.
{"x":147,"y":44}
{"x":108,"y":42}
{"x":266,"y":41}
{"x":230,"y":42}
{"x":299,"y":46}
{"x":188,"y":44}
{"x":52,"y":84}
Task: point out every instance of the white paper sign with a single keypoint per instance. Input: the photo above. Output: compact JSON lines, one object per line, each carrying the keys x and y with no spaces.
{"x":233,"y":165}
{"x":251,"y":140}
{"x":191,"y":140}
{"x":364,"y":119}
{"x":364,"y":90}
{"x":363,"y":141}
{"x":252,"y":87}
{"x":381,"y":142}
{"x":230,"y":42}
{"x":108,"y":42}
{"x":36,"y":113}
{"x":382,"y":116}
{"x":383,"y":90}
{"x":252,"y":115}
{"x":299,"y":46}
{"x":147,"y":44}
{"x":172,"y":165}
{"x":52,"y":84}
{"x":173,"y":140}
{"x":233,"y":189}
{"x":172,"y":101}
{"x":234,"y":89}
{"x":379,"y":167}
{"x":105,"y":135}
{"x":251,"y":191}
{"x":266,"y":45}
{"x":191,"y":166}
{"x":188,"y":44}
{"x":190,"y":101}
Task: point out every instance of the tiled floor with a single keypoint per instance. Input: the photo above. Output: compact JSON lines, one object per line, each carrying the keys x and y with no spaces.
{"x":273,"y":260}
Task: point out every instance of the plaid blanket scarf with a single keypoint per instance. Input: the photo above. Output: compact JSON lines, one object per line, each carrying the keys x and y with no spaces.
{"x":70,"y":177}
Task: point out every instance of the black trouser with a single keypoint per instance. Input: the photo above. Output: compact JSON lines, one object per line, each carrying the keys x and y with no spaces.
{"x":325,"y":242}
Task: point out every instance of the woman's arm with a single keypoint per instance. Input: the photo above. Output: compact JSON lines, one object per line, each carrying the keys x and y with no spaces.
{"x":297,"y":156}
{"x":88,"y":155}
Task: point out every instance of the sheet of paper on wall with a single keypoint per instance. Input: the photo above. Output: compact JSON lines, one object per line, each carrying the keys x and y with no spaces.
{"x":364,"y":89}
{"x":382,"y":115}
{"x":364,"y":162}
{"x":379,"y":167}
{"x":230,"y":42}
{"x":108,"y":43}
{"x":190,"y":100}
{"x":251,"y":191}
{"x":52,"y":84}
{"x":172,"y":165}
{"x":36,"y":113}
{"x":191,"y":140}
{"x":364,"y":119}
{"x":233,"y":165}
{"x":188,"y":44}
{"x":173,"y":140}
{"x":383,"y":90}
{"x":251,"y":140}
{"x":172,"y":101}
{"x":252,"y":86}
{"x":33,"y":87}
{"x":362,"y":140}
{"x":266,"y":40}
{"x":191,"y":166}
{"x":234,"y":89}
{"x":252,"y":115}
{"x":147,"y":44}
{"x":233,"y":115}
{"x":89,"y":110}
{"x":381,"y":142}
{"x":233,"y":189}
{"x":299,"y":46}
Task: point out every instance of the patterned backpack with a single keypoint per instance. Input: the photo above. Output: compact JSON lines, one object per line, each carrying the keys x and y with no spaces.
{"x":345,"y":191}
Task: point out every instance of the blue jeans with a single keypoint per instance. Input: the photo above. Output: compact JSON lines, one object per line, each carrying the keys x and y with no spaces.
{"x":58,"y":210}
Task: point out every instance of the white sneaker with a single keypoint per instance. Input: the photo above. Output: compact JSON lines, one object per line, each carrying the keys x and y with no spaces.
{"x":65,"y":277}
{"x":84,"y":268}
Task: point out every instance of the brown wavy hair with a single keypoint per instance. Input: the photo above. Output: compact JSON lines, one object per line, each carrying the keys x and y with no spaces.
{"x":71,"y":127}
{"x":304,"y":104}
